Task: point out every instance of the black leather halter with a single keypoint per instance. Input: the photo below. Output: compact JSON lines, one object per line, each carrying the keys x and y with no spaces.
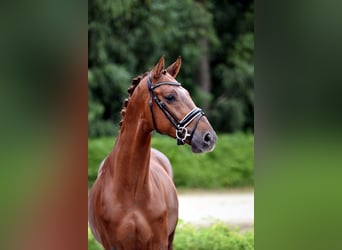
{"x":180,"y":126}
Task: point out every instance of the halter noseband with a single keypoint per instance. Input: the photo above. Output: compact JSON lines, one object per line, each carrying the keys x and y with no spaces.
{"x":180,"y":126}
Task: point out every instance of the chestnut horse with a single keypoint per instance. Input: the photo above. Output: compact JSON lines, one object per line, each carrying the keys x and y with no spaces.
{"x":133,"y":203}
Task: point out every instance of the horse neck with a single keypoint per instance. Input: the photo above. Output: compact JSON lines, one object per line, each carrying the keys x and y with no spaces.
{"x":130,"y":157}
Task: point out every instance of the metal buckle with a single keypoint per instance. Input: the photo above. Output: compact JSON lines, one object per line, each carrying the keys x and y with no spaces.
{"x":182,"y":134}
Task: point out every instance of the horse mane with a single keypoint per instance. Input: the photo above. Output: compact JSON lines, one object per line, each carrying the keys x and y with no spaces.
{"x":135,"y":82}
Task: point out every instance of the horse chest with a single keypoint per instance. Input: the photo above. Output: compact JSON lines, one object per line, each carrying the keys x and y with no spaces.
{"x":133,"y":223}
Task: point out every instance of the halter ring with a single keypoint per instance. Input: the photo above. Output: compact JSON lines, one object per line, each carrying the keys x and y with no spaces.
{"x":182,"y":134}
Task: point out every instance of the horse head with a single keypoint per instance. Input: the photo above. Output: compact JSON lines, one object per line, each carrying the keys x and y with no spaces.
{"x":173,"y":112}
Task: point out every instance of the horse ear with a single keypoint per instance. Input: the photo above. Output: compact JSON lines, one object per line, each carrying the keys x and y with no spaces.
{"x":159,"y":68}
{"x":174,"y":68}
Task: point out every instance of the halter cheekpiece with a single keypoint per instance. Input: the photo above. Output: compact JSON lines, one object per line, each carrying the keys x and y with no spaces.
{"x":180,"y":126}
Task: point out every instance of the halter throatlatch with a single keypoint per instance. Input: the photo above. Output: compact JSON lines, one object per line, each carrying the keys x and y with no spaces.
{"x":181,"y":126}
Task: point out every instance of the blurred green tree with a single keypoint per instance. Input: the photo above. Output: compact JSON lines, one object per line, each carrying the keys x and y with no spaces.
{"x":215,"y":40}
{"x":232,"y":66}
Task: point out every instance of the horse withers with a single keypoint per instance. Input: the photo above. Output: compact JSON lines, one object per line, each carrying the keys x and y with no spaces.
{"x":133,"y":203}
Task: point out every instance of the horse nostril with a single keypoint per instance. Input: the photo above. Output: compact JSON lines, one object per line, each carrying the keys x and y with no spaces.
{"x":207,"y":137}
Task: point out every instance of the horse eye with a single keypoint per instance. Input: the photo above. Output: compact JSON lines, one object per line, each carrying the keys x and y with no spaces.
{"x":170,"y":98}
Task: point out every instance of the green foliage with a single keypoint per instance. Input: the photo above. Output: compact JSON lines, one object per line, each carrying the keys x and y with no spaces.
{"x":216,"y":237}
{"x":231,"y":164}
{"x":98,"y":149}
{"x":126,"y":38}
{"x":233,"y":68}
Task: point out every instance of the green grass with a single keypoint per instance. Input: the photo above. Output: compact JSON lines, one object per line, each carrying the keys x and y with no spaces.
{"x":216,"y":237}
{"x":231,"y":164}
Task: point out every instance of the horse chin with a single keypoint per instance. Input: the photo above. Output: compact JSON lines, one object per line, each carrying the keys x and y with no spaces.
{"x":201,"y":148}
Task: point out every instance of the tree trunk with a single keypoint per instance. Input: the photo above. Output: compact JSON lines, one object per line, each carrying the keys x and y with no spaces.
{"x":203,"y":73}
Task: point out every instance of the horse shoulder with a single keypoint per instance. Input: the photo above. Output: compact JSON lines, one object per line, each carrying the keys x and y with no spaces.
{"x":95,"y":213}
{"x":161,"y":170}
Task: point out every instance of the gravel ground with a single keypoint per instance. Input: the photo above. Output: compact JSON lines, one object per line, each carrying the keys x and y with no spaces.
{"x":234,"y":208}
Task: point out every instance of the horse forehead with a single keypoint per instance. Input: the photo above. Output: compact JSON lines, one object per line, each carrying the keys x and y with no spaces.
{"x":184,"y":92}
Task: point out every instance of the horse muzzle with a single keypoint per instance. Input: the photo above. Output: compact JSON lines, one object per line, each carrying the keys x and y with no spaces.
{"x":203,"y":142}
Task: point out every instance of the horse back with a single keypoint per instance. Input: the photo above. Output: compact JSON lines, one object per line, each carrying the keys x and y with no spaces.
{"x":160,"y":159}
